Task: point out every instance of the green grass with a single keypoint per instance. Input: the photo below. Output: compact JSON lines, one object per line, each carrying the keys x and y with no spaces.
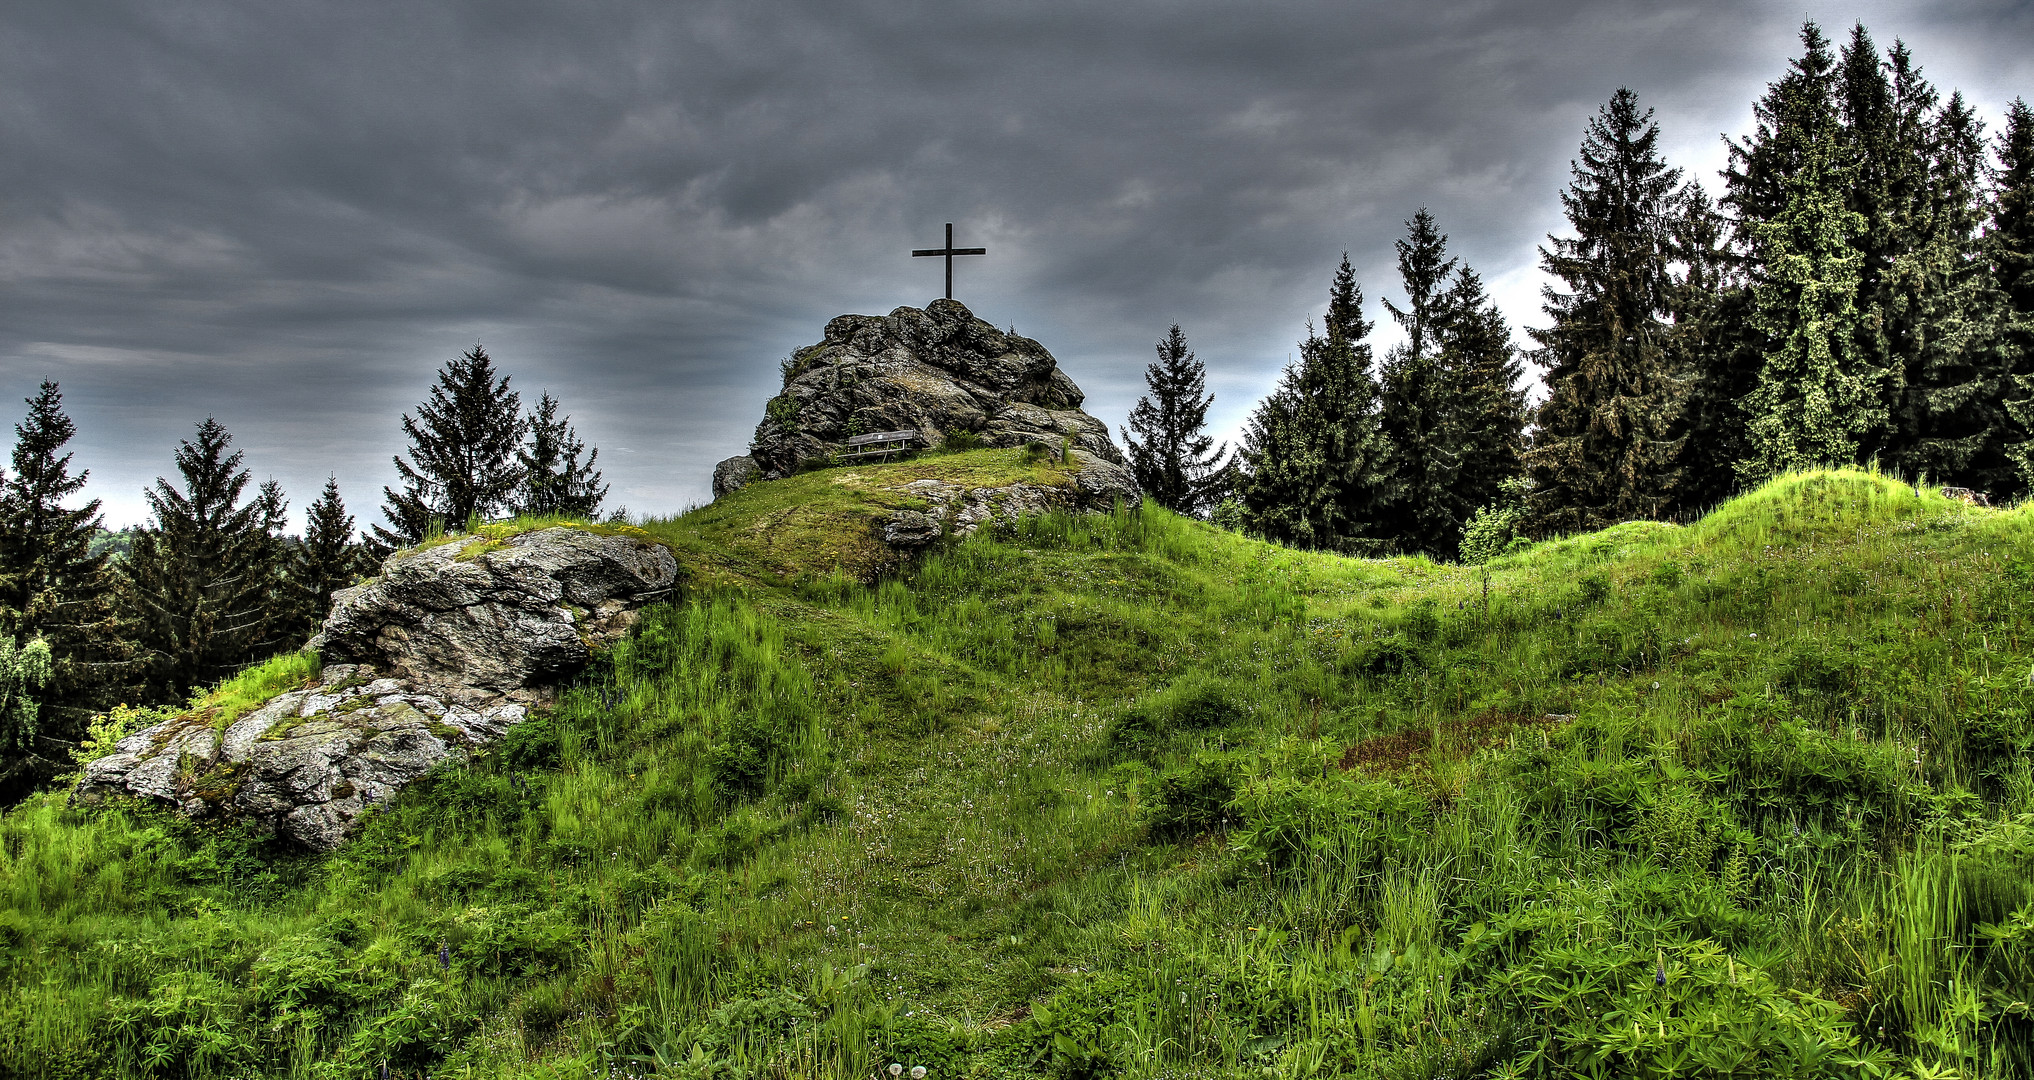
{"x":1131,"y":796}
{"x":828,"y":521}
{"x":243,"y":693}
{"x":493,"y":535}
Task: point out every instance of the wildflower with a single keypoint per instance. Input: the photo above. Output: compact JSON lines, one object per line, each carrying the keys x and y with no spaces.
{"x":896,"y":1069}
{"x":1660,"y":972}
{"x":445,"y":957}
{"x":917,"y":1072}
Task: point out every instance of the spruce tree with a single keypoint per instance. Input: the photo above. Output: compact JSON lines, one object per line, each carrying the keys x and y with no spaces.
{"x":1716,"y":353}
{"x":56,"y":591}
{"x":1950,"y":422}
{"x":205,"y":578}
{"x":554,"y":480}
{"x":463,"y":453}
{"x":2009,"y":247}
{"x":1175,"y":461}
{"x":326,"y":561}
{"x":1881,"y":167}
{"x":1425,"y":513}
{"x":1610,"y":430}
{"x":1312,"y":470}
{"x":1482,"y":370}
{"x":1820,"y":396}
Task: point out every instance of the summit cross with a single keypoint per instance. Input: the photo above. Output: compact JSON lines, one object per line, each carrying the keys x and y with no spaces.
{"x":949,"y":251}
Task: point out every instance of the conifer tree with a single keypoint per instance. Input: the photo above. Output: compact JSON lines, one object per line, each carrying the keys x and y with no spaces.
{"x":554,"y":480}
{"x":1313,"y":461}
{"x":1482,"y":370}
{"x":326,"y":561}
{"x":1715,"y":352}
{"x":55,"y":590}
{"x":2009,"y":247}
{"x":1881,"y":169}
{"x":1175,"y":461}
{"x":463,"y":452}
{"x":204,"y":578}
{"x":1950,"y":422}
{"x":1610,"y":430}
{"x":1819,"y":395}
{"x":1417,"y":411}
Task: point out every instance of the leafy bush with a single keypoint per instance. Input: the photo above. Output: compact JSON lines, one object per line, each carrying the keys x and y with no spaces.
{"x":1191,"y":800}
{"x":1384,"y":658}
{"x":1193,"y":704}
{"x":1498,"y":529}
{"x":532,"y":744}
{"x":960,"y":439}
{"x":1283,"y":820}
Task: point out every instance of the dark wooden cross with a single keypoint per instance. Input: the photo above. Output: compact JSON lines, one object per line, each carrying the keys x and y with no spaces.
{"x":949,"y":251}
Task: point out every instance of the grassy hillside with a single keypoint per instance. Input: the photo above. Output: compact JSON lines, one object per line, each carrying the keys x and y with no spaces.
{"x":1133,"y":796}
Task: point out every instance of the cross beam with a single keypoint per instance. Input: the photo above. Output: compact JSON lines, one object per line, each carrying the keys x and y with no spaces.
{"x":949,"y":251}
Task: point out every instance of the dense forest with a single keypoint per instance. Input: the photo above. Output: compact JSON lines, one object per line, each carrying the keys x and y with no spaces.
{"x":1860,"y":292}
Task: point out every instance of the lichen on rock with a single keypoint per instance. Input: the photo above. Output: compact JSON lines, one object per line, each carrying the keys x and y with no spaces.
{"x":935,"y":372}
{"x":437,"y":656}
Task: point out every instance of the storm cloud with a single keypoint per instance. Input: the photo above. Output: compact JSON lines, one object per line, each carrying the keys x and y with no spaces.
{"x":287,"y":215}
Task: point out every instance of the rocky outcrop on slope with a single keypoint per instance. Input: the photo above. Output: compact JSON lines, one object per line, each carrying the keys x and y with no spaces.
{"x":496,"y":616}
{"x":934,"y":372}
{"x":437,"y":656}
{"x":958,"y":509}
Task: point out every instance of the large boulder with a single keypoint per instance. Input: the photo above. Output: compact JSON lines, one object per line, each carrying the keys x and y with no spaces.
{"x":494,"y":616}
{"x":308,"y":762}
{"x":437,"y":656}
{"x":934,"y":372}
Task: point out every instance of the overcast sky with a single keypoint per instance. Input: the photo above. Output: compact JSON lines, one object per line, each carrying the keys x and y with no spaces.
{"x":289,"y":214}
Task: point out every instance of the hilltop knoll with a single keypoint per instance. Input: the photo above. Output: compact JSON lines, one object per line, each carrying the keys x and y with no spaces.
{"x":1126,"y":795}
{"x":940,"y":374}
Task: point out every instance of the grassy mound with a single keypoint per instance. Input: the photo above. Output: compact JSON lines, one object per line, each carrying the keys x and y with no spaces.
{"x":1132,"y":796}
{"x":830,"y":521}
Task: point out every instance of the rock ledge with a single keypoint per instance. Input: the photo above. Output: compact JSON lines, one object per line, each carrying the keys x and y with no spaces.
{"x":441,"y":654}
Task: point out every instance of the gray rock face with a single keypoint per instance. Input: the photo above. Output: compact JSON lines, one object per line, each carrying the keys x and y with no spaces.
{"x":441,"y":654}
{"x":935,"y":371}
{"x":734,"y":474}
{"x":476,"y":615}
{"x":308,"y":762}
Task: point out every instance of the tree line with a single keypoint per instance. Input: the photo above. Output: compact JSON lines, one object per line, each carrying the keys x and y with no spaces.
{"x":1862,"y":293}
{"x":211,"y":583}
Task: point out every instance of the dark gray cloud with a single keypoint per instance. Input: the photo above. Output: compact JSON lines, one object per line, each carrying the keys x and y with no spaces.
{"x":288,"y":215}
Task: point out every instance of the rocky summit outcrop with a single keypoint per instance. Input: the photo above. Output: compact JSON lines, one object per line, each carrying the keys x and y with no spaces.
{"x":438,"y":655}
{"x":935,"y":372}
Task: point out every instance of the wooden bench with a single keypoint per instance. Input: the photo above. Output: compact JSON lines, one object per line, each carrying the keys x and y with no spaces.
{"x":879,"y":443}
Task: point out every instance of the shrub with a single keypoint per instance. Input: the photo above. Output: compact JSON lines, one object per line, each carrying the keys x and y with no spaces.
{"x":1497,"y":529}
{"x":1384,"y":658}
{"x":1191,"y":800}
{"x":1195,"y":703}
{"x":959,"y":439}
{"x":532,"y":744}
{"x":1282,"y":820}
{"x":1228,"y":514}
{"x":741,"y":759}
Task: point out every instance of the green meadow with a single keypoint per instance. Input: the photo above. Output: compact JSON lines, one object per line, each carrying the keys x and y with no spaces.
{"x":1132,"y":796}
